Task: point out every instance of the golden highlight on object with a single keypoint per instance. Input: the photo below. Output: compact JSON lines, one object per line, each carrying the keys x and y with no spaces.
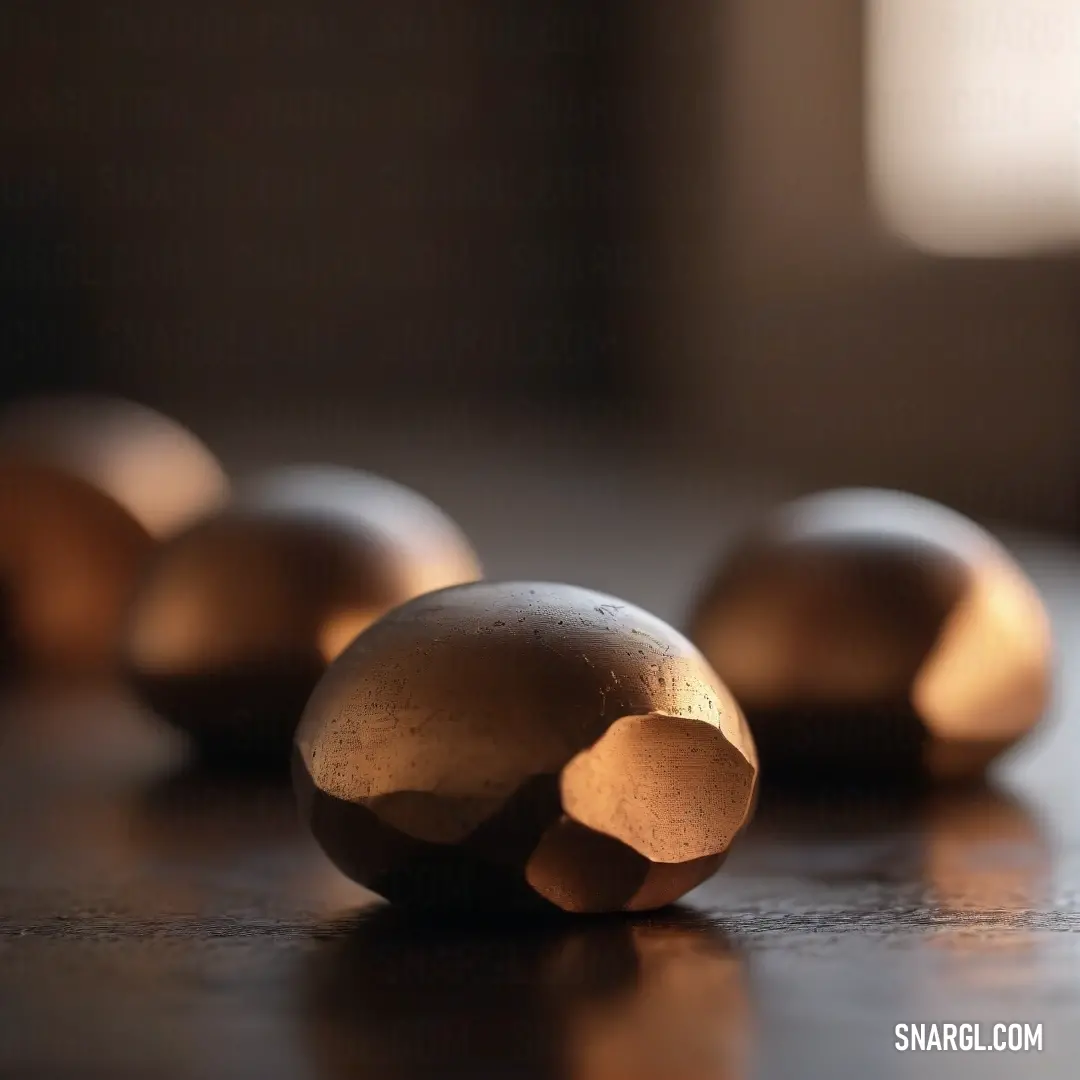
{"x":985,"y":679}
{"x":672,"y":789}
{"x":338,"y":631}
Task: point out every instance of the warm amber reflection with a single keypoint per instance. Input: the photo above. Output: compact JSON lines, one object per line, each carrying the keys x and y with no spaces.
{"x":969,"y":850}
{"x":95,"y":795}
{"x":143,"y":917}
{"x":603,"y":999}
{"x":989,"y":866}
{"x":985,"y":852}
{"x":968,"y":870}
{"x":687,"y":1017}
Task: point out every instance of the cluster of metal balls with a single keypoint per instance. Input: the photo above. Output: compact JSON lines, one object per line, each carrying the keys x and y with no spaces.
{"x":462,"y":743}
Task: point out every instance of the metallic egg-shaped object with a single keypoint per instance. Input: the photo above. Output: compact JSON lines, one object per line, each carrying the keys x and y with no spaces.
{"x":872,"y":636}
{"x":87,"y":487}
{"x":524,"y":745}
{"x":236,"y":619}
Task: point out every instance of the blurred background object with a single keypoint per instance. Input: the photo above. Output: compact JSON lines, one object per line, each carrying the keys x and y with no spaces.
{"x":235,"y":620}
{"x":973,"y":132}
{"x":854,"y":357}
{"x":716,"y":233}
{"x":874,"y":637}
{"x":88,"y":485}
{"x":264,"y":201}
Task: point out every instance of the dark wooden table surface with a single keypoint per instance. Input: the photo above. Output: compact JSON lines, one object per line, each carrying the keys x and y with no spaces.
{"x":156,"y":921}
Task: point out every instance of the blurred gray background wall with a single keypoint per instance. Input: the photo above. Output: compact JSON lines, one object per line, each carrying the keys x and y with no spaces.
{"x":638,"y":218}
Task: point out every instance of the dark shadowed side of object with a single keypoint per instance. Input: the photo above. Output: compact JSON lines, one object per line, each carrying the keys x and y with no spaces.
{"x":876,"y":637}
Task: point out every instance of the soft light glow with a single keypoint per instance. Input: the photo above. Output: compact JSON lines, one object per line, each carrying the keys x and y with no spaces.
{"x":341,"y":629}
{"x":974,"y":123}
{"x":987,"y":677}
{"x":671,"y":788}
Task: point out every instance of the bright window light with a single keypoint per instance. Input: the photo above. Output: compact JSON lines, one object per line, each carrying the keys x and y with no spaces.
{"x":974,"y":123}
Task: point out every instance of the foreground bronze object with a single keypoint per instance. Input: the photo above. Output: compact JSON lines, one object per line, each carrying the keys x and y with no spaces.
{"x":527,"y":746}
{"x":873,"y":636}
{"x":238,"y":617}
{"x":87,"y":488}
